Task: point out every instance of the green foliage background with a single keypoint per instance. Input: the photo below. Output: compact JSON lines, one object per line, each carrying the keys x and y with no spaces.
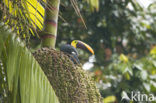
{"x":119,"y":27}
{"x":121,"y":32}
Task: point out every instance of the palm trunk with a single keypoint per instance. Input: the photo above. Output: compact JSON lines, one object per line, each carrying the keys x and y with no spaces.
{"x":50,"y":24}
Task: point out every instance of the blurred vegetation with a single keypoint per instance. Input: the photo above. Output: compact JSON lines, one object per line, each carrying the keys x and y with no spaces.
{"x":122,"y":34}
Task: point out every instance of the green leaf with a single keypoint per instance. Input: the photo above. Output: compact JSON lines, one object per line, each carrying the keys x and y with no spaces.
{"x":123,"y":58}
{"x":94,"y":4}
{"x":147,"y":86}
{"x":153,"y":51}
{"x":138,"y":66}
{"x":27,"y":82}
{"x":109,"y":99}
{"x":144,"y":74}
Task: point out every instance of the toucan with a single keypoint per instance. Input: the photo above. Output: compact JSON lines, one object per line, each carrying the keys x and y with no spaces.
{"x":70,"y":49}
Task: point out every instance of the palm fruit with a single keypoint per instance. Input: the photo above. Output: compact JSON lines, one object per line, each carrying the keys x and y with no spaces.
{"x":71,"y":83}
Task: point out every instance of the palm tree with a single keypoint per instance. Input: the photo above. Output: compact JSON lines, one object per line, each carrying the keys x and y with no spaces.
{"x":25,"y":81}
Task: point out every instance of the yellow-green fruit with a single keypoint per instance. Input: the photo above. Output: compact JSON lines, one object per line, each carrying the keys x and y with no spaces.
{"x":71,"y":83}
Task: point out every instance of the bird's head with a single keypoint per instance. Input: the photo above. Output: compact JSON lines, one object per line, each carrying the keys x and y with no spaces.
{"x":82,"y":45}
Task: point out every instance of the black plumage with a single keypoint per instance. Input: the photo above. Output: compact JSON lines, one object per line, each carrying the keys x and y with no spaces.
{"x":71,"y":51}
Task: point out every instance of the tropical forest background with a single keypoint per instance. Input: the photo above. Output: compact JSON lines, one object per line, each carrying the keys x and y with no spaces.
{"x":123,"y":36}
{"x":121,"y":32}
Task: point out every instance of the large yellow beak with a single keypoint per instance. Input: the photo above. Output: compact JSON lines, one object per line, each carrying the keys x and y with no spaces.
{"x":82,"y":45}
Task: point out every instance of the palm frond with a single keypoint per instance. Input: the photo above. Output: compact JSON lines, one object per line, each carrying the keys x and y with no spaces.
{"x":77,"y":10}
{"x":27,"y":82}
{"x":23,"y":16}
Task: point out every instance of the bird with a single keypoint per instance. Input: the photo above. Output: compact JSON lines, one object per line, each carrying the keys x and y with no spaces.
{"x":71,"y":51}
